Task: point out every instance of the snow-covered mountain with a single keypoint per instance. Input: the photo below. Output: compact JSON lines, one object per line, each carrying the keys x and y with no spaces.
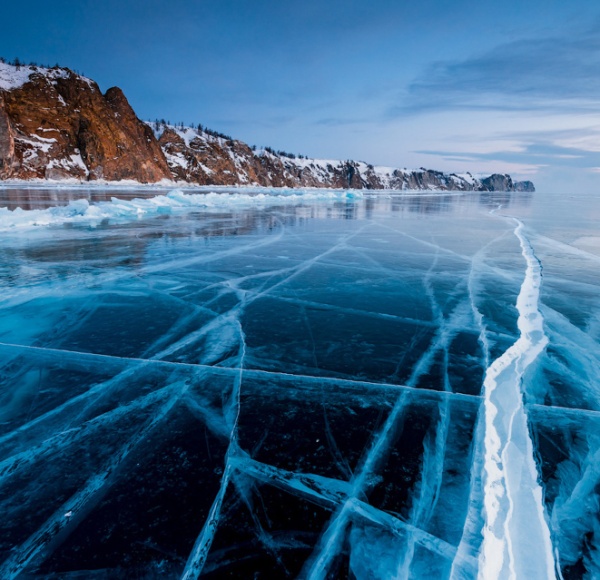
{"x":56,"y":124}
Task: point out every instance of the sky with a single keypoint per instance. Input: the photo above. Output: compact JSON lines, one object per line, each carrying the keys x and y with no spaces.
{"x":485,"y":86}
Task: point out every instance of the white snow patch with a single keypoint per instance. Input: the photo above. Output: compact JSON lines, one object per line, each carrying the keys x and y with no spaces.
{"x":466,"y":177}
{"x":37,"y":145}
{"x":176,"y":159}
{"x":206,"y":169}
{"x":74,"y":160}
{"x":12,"y":77}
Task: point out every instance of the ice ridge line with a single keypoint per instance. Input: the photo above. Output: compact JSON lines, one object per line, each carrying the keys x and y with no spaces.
{"x":199,"y":554}
{"x":516,"y":536}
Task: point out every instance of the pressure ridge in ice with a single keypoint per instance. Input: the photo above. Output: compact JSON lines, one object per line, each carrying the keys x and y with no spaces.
{"x":176,"y":201}
{"x":376,"y":387}
{"x":516,"y":536}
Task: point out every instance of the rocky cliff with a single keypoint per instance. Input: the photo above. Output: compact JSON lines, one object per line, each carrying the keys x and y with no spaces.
{"x":199,"y":157}
{"x":55,"y":124}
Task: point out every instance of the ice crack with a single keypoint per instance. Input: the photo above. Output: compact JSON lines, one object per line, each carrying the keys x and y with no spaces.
{"x":516,"y":536}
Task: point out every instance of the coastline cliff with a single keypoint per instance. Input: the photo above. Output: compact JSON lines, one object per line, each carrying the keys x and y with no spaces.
{"x":58,"y":125}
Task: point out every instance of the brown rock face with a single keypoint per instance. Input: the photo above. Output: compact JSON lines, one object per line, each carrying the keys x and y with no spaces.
{"x":208,"y":160}
{"x":59,"y":125}
{"x":7,"y":141}
{"x":197,"y":157}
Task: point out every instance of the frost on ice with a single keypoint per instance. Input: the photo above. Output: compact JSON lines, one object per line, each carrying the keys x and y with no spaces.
{"x":313,"y":385}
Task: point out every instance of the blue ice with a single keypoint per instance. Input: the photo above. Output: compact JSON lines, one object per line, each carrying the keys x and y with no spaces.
{"x":302,"y":384}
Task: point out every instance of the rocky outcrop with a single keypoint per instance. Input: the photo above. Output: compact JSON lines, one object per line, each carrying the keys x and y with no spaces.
{"x":7,"y":140}
{"x":524,"y":186}
{"x":498,"y":182}
{"x":199,"y":157}
{"x":55,"y":124}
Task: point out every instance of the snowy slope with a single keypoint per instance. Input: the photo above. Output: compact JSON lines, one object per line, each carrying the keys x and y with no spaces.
{"x":194,"y":155}
{"x":14,"y":77}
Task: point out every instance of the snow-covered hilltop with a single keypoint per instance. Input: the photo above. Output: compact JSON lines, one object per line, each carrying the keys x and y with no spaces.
{"x":56,"y":124}
{"x":193,"y":155}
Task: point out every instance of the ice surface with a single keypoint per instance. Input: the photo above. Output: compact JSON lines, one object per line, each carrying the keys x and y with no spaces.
{"x":298,"y":384}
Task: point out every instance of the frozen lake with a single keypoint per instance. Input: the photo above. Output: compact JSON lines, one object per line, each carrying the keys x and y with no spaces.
{"x":313,"y":384}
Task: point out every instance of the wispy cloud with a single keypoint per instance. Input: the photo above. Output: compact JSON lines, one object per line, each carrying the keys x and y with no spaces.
{"x":580,"y":138}
{"x":535,"y":153}
{"x":559,"y":73}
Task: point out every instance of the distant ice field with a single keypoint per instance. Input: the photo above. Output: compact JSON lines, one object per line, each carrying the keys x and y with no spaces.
{"x":298,"y":384}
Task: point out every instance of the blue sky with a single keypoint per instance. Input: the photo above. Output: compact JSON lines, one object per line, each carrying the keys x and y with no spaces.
{"x":487,"y":86}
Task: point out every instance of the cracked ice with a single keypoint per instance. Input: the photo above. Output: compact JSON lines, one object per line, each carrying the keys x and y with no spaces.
{"x":313,"y":385}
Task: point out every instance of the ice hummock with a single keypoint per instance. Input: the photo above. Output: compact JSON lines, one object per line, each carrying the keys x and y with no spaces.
{"x":175,"y":201}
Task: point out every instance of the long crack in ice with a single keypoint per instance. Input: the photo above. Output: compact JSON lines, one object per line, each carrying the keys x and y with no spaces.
{"x":516,"y":537}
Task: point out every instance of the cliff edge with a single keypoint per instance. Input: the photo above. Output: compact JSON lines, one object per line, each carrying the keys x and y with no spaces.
{"x":55,"y":124}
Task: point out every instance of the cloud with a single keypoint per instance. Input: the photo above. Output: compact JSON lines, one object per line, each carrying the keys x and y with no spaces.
{"x":571,"y":140}
{"x":544,"y":74}
{"x":538,"y":154}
